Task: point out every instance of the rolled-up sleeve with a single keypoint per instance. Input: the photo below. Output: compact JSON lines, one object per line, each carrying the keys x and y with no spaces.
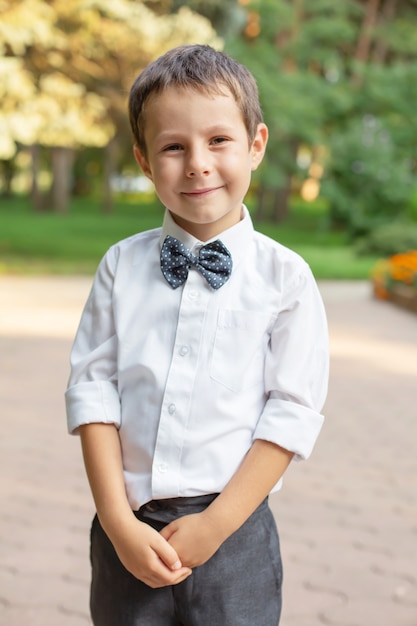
{"x":297,"y":369}
{"x":92,"y":393}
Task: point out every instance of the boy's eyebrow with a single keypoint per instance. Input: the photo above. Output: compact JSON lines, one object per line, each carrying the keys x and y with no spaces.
{"x":210,"y":130}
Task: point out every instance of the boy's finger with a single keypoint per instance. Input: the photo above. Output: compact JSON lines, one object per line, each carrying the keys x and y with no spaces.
{"x":173,"y":579}
{"x":166,"y":532}
{"x":168,"y":555}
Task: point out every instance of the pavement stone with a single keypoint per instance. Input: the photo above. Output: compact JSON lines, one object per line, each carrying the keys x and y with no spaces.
{"x":347,"y":517}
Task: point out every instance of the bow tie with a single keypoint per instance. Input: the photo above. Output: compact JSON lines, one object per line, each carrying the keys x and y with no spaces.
{"x":214,"y":262}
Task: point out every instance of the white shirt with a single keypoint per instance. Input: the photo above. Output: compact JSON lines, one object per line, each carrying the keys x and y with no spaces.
{"x":192,"y":376}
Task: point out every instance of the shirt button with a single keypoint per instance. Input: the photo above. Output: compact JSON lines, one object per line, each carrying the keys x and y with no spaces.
{"x":171,"y":409}
{"x":184,"y":350}
{"x":193,"y":295}
{"x":162,"y":468}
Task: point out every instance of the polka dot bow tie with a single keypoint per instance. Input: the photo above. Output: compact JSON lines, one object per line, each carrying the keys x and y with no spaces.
{"x":214,"y":262}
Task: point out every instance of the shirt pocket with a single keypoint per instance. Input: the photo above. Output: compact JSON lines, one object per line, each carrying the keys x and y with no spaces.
{"x":239,"y":349}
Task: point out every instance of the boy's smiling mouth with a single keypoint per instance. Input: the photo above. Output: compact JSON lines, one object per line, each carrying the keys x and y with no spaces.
{"x":198,"y":193}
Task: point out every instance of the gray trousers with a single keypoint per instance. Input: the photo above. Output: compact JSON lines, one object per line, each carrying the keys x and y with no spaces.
{"x":239,"y":586}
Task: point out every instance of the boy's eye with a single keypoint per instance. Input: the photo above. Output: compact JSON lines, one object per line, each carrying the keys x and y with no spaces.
{"x":219,"y":140}
{"x":173,"y":147}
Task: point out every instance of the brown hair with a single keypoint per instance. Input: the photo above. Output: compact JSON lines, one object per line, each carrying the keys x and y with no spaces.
{"x":197,"y":67}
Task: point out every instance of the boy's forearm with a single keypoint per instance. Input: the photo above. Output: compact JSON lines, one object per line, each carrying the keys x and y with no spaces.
{"x":260,"y":470}
{"x":143,"y":552}
{"x":104,"y":466}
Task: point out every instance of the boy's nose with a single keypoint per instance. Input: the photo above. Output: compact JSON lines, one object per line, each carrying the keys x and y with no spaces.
{"x":197,"y":164}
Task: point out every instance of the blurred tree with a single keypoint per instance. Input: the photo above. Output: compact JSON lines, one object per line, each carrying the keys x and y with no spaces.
{"x":41,"y":104}
{"x":325,"y":69}
{"x":296,"y":50}
{"x":65,"y":70}
{"x":369,"y":179}
{"x":370,"y":171}
{"x":226,"y":16}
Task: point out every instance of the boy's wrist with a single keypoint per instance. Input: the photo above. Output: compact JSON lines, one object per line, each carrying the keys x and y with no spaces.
{"x":221,"y":524}
{"x":116,"y":524}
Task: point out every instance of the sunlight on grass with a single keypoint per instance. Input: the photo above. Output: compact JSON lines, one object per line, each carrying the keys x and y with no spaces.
{"x":46,"y":243}
{"x":336,"y":263}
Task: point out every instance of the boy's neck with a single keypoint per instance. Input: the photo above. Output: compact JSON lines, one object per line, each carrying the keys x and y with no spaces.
{"x":204,"y":232}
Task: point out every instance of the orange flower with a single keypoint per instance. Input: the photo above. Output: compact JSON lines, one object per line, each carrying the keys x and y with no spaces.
{"x":399,"y":268}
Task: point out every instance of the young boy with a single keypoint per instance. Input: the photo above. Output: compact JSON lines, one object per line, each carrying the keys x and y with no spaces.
{"x":199,"y":369}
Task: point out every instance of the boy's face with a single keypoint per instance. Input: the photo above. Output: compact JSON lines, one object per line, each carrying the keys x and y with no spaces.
{"x":199,"y":158}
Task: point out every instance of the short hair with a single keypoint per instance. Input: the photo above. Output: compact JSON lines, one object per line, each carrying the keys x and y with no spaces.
{"x":198,"y":67}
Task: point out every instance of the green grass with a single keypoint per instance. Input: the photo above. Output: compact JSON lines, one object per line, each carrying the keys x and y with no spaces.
{"x":66,"y":244}
{"x":46,"y":243}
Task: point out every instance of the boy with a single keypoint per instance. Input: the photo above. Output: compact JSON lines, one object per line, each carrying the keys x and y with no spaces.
{"x":199,"y":368}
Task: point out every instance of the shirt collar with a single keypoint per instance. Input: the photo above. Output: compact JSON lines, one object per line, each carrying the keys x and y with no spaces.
{"x":236,"y":239}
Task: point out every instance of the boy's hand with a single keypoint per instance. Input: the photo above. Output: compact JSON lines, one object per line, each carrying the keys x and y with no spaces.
{"x":148,"y":556}
{"x":195,"y":538}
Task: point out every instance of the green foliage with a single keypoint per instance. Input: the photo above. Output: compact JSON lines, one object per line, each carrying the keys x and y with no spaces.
{"x":226,"y":16}
{"x":389,"y":239}
{"x":368,"y":178}
{"x":298,"y":62}
{"x":322,"y":69}
{"x":370,"y":172}
{"x":402,"y":38}
{"x":324,"y":30}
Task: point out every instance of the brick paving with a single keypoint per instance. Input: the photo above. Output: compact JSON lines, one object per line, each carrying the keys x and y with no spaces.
{"x":347,"y":517}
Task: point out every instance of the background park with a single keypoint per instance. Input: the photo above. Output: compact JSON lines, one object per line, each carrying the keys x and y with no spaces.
{"x":338,"y":85}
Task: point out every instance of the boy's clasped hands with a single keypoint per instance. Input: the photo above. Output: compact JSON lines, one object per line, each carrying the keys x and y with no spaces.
{"x":166,"y":558}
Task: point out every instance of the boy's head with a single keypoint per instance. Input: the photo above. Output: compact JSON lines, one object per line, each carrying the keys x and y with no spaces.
{"x":199,"y":135}
{"x":197,"y":67}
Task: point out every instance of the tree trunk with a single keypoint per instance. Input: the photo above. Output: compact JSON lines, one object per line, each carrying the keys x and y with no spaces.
{"x":35,"y":192}
{"x":388,"y":14}
{"x":281,"y":203}
{"x":62,"y":162}
{"x":260,"y":202}
{"x":365,"y":37}
{"x":8,"y":174}
{"x":109,"y":169}
{"x":273,"y":204}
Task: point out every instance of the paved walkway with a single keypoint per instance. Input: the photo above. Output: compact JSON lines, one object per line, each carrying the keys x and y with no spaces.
{"x":347,"y":518}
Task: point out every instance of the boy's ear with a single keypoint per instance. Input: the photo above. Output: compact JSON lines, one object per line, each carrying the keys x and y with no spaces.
{"x":259,"y":145}
{"x":142,"y":162}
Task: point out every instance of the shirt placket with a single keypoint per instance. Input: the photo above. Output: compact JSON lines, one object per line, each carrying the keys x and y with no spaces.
{"x":172,"y":430}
